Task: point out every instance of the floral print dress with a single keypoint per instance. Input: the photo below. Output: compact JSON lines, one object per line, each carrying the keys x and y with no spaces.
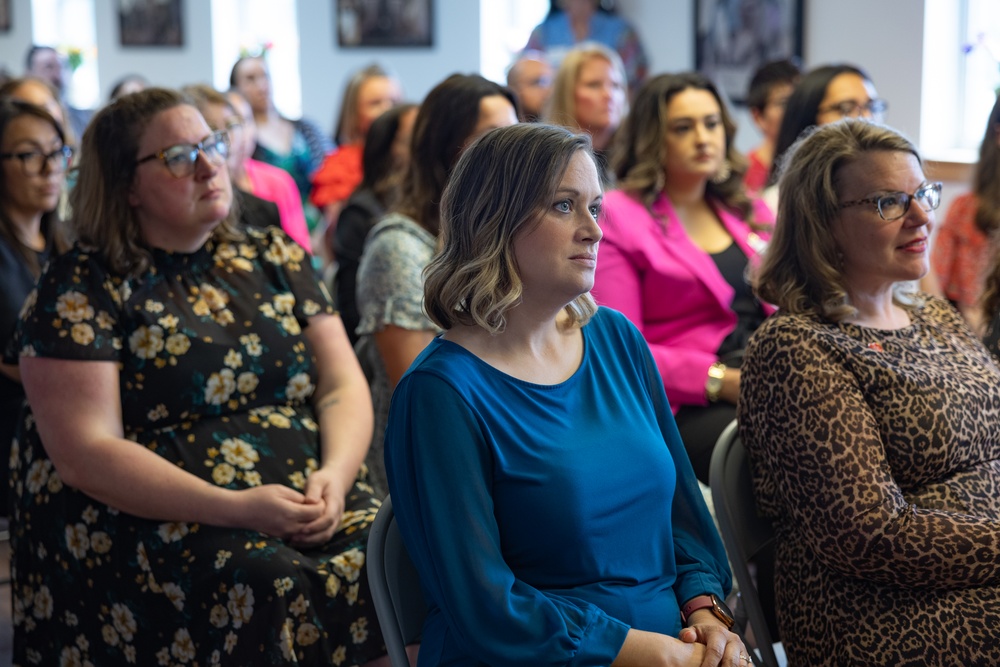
{"x":217,"y":378}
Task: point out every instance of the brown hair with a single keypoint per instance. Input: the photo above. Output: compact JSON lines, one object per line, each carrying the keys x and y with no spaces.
{"x":102,"y":214}
{"x":640,"y":153}
{"x":800,"y":271}
{"x":500,"y":188}
{"x":986,"y":182}
{"x":447,"y":118}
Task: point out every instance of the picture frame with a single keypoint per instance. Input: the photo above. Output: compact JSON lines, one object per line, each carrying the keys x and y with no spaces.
{"x":151,"y":23}
{"x":384,"y":23}
{"x":735,"y":37}
{"x":5,"y":22}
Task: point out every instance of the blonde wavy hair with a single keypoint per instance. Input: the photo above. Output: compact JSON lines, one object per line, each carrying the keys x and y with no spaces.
{"x":102,"y":215}
{"x":561,"y":107}
{"x":801,"y":268}
{"x":499,"y":189}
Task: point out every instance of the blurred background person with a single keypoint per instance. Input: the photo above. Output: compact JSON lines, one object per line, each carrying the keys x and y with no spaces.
{"x":393,"y":327}
{"x":385,"y":160}
{"x":128,"y":84}
{"x":40,"y":93}
{"x":43,"y":62}
{"x":770,"y":88}
{"x":260,"y":178}
{"x":34,"y":157}
{"x":217,"y":111}
{"x":966,"y":243}
{"x":588,"y":94}
{"x":823,"y":95}
{"x":679,"y":236}
{"x":572,"y":22}
{"x":367,"y":94}
{"x":530,"y":78}
{"x":297,"y":146}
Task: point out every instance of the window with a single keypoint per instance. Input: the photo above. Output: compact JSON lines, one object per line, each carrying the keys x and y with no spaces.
{"x":68,"y":26}
{"x":242,"y":27}
{"x":961,"y":75}
{"x":504,"y":30}
{"x":982,"y":68}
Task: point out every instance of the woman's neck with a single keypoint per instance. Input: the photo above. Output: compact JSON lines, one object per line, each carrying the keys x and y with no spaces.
{"x":28,"y":229}
{"x":265,"y":115}
{"x":685,"y":194}
{"x":876,"y":308}
{"x":536,"y":345}
{"x":241,"y":179}
{"x":579,"y":23}
{"x":601,"y":139}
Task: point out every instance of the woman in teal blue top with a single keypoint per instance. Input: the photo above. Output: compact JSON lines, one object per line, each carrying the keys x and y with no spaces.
{"x":537,"y":476}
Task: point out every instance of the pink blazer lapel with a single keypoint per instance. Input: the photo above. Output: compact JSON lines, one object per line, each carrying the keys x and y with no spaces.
{"x":679,"y":245}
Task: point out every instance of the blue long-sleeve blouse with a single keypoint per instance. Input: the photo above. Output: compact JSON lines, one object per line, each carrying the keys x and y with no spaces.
{"x":547,"y":520}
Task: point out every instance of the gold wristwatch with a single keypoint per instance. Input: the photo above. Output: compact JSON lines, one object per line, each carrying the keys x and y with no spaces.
{"x":713,"y":385}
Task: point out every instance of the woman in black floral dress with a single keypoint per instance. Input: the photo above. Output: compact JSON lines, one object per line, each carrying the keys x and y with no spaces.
{"x":186,"y":483}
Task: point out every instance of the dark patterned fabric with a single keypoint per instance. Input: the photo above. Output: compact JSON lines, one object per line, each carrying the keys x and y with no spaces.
{"x":217,"y":378}
{"x":878,"y":454}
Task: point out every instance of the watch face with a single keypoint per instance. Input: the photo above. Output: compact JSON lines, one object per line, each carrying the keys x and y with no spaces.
{"x":722,"y":611}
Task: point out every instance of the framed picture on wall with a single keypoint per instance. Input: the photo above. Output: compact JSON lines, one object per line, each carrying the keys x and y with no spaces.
{"x":735,"y":37}
{"x":4,"y":15}
{"x":151,"y":22}
{"x":361,"y":23}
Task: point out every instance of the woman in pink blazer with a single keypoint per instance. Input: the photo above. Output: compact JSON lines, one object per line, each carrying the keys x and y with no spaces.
{"x":679,"y":235}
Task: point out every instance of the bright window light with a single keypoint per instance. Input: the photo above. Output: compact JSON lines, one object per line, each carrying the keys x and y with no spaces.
{"x":242,"y":27}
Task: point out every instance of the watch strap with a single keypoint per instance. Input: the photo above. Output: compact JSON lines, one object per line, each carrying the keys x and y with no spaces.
{"x":694,"y":604}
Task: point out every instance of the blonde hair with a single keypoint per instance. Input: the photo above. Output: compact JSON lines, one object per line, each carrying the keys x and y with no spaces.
{"x":102,"y":215}
{"x":561,"y":108}
{"x":500,"y":187}
{"x":348,"y":122}
{"x":801,"y":268}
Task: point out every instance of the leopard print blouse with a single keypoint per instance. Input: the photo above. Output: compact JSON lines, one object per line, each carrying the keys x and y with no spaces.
{"x":878,"y":455}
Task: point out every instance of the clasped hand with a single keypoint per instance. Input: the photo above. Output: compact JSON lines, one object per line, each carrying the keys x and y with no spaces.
{"x":722,"y":647}
{"x":304,"y":519}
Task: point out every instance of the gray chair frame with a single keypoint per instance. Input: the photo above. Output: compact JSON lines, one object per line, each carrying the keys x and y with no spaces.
{"x":744,"y":532}
{"x":395,"y":586}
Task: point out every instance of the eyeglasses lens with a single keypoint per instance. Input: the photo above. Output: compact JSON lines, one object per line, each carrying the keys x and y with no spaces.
{"x":181,"y":159}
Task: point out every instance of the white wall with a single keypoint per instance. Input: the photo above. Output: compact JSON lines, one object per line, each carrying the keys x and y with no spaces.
{"x":326,"y":67}
{"x":14,"y":44}
{"x":833,"y":32}
{"x":164,"y":66}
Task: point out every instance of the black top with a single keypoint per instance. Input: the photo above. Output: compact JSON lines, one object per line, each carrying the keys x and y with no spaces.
{"x":357,"y":218}
{"x":732,"y":265}
{"x":257,"y":212}
{"x":17,"y":281}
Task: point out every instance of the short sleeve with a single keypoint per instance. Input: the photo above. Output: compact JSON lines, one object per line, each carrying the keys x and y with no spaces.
{"x":390,"y":281}
{"x":74,"y":312}
{"x":292,"y":268}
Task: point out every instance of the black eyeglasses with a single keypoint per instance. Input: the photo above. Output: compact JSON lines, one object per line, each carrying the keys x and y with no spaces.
{"x":182,"y":158}
{"x":854,"y":109}
{"x":33,"y":162}
{"x":894,"y":205}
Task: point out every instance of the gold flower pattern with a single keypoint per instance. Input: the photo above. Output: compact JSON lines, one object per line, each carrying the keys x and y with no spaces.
{"x":217,"y":378}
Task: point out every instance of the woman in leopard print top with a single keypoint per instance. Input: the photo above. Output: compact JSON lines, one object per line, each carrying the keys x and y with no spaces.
{"x":871,"y":415}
